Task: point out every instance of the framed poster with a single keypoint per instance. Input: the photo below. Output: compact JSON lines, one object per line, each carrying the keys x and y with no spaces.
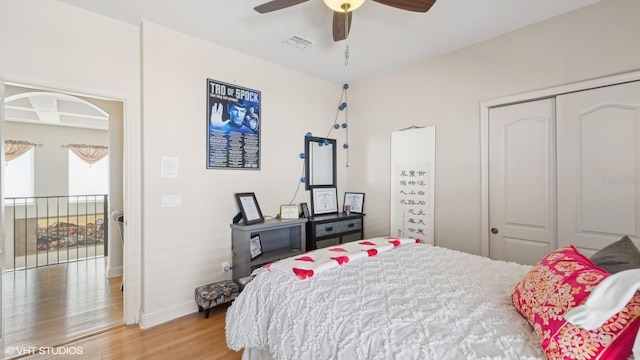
{"x":355,"y":202}
{"x":249,"y":208}
{"x":233,"y":126}
{"x":324,"y":200}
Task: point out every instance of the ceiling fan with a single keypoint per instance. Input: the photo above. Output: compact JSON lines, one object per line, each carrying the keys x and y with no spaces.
{"x":342,"y":10}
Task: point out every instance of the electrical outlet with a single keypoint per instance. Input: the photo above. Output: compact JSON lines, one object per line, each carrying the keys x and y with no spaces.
{"x":225,"y":267}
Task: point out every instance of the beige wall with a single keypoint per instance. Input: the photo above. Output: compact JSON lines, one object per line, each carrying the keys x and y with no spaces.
{"x":446,"y":92}
{"x":194,"y":239}
{"x":51,"y":159}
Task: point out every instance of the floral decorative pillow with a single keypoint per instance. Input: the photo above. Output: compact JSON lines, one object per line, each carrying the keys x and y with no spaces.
{"x":561,"y":281}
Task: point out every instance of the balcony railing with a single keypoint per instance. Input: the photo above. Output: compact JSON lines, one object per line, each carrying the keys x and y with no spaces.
{"x":49,"y":230}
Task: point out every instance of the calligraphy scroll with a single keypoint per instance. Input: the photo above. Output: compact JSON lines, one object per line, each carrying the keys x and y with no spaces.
{"x":412,"y":183}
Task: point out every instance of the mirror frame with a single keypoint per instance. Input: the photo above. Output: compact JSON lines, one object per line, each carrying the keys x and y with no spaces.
{"x":310,"y":141}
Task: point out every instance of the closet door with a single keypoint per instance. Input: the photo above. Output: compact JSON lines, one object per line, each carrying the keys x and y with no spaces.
{"x":522,"y":181}
{"x":598,"y":149}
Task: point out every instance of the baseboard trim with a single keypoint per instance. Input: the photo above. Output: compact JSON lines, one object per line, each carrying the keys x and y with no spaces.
{"x":150,"y":320}
{"x":114,"y":271}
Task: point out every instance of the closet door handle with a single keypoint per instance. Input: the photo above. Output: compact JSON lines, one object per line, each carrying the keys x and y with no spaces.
{"x":494,"y":230}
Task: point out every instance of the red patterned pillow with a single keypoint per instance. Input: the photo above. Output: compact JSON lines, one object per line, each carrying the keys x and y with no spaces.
{"x":561,"y":281}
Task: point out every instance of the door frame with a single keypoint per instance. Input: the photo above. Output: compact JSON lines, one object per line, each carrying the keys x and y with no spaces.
{"x":2,"y":235}
{"x":132,"y":189}
{"x":518,"y":98}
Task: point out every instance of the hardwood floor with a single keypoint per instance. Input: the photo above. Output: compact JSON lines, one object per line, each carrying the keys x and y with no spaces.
{"x":72,"y":311}
{"x":190,"y":337}
{"x":52,"y":305}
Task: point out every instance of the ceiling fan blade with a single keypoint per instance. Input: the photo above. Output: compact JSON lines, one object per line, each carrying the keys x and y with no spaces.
{"x":340,"y":26}
{"x":276,"y":5}
{"x":410,"y":5}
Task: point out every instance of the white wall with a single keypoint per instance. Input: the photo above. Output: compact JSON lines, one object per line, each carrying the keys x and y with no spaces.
{"x":49,"y":44}
{"x":52,"y":45}
{"x":184,"y":246}
{"x":598,"y":40}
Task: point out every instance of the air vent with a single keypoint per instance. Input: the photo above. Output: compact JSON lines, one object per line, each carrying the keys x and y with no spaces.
{"x":298,"y":41}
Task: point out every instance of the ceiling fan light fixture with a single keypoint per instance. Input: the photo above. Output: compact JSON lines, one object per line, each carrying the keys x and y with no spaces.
{"x":343,"y":5}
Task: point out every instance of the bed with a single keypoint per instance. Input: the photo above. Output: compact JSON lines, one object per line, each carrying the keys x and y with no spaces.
{"x":414,"y":301}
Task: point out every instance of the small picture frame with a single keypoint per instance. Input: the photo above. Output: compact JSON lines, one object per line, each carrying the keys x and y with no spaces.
{"x":249,"y":208}
{"x":288,"y":212}
{"x":355,"y":201}
{"x":324,"y":200}
{"x":255,"y":246}
{"x":305,"y":210}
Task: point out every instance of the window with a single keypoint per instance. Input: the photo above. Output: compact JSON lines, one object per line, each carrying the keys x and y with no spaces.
{"x":19,"y":178}
{"x":85,"y":179}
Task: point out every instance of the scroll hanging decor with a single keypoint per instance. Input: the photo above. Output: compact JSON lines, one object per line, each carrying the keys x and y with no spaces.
{"x":13,"y":149}
{"x":89,"y":153}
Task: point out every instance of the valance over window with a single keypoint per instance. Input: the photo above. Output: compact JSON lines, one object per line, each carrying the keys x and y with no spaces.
{"x":16,"y":148}
{"x":89,"y":153}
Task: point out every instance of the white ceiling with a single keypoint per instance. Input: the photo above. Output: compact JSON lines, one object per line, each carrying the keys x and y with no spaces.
{"x":382,"y":38}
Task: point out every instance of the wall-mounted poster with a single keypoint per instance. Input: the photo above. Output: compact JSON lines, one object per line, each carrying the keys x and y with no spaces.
{"x":233,"y":126}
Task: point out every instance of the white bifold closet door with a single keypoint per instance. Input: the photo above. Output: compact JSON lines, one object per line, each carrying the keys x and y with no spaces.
{"x":598,"y":165}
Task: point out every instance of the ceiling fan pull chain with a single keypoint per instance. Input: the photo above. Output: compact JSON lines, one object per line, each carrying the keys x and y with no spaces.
{"x":346,"y":55}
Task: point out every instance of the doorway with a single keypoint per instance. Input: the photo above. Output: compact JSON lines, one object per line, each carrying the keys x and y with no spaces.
{"x":86,"y":290}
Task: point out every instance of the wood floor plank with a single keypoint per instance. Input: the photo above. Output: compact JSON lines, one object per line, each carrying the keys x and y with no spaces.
{"x":60,"y":310}
{"x":189,"y":337}
{"x":52,"y":305}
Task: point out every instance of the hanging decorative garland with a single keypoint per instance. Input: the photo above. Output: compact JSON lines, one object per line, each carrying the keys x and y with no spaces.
{"x":335,"y":126}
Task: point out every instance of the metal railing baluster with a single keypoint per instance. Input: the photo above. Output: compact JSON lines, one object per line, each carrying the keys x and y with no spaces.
{"x":56,"y":232}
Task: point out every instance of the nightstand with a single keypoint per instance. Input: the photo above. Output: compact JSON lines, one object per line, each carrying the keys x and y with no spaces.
{"x":334,"y":229}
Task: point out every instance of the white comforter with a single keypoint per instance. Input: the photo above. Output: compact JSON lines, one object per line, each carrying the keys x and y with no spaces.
{"x":416,"y":301}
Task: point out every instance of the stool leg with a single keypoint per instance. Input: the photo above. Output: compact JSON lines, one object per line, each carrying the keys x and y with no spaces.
{"x":206,"y":314}
{"x":200,"y":309}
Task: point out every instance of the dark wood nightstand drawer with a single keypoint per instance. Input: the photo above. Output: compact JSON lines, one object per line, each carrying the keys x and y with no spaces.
{"x":338,"y":227}
{"x":352,"y":237}
{"x":334,"y":229}
{"x":327,"y":242}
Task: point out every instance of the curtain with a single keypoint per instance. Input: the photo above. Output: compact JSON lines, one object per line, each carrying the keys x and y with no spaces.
{"x":89,"y":153}
{"x":16,"y":148}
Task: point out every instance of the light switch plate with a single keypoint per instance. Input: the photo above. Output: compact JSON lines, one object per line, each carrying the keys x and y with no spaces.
{"x":171,"y":200}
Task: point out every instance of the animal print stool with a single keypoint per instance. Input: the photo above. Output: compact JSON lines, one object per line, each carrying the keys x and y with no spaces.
{"x":208,"y":296}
